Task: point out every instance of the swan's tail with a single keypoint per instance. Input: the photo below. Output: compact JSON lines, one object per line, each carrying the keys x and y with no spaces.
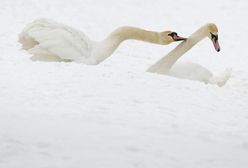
{"x":40,"y":38}
{"x":33,"y":32}
{"x":222,"y":78}
{"x":49,"y":39}
{"x":26,"y":40}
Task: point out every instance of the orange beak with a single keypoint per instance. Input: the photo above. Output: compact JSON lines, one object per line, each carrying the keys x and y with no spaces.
{"x":214,"y":38}
{"x":216,"y":45}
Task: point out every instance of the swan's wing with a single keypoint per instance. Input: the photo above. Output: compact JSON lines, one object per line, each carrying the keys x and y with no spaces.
{"x":46,"y":37}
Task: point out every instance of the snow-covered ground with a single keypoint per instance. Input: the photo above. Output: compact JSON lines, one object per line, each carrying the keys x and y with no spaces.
{"x":117,"y":115}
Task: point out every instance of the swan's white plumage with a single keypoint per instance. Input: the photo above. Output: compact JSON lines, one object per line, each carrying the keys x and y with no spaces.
{"x":191,"y":71}
{"x":196,"y":72}
{"x":47,"y":38}
{"x":168,"y":65}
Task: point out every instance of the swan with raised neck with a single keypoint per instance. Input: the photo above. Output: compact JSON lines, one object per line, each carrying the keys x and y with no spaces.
{"x":164,"y":65}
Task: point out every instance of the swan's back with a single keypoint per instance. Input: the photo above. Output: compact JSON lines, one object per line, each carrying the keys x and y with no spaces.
{"x":191,"y":71}
{"x":45,"y":37}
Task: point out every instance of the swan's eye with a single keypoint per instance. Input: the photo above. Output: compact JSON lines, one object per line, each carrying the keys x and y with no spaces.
{"x":172,"y":34}
{"x":214,"y":36}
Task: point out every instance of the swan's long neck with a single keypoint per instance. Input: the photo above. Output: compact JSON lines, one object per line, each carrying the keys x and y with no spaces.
{"x":164,"y":65}
{"x":108,"y":46}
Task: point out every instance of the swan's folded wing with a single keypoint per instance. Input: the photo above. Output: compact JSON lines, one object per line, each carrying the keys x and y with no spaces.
{"x":58,"y":40}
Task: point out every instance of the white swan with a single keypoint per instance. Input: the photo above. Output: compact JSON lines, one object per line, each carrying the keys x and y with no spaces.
{"x":190,"y":70}
{"x":47,"y":39}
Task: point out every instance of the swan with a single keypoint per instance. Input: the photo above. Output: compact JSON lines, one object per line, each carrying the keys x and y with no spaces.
{"x":48,"y":40}
{"x":191,"y":71}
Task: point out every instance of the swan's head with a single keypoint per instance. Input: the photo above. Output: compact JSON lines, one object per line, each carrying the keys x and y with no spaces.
{"x":213,"y":35}
{"x":168,"y":37}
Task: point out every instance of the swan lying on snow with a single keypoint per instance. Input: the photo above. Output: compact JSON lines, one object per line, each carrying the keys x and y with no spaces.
{"x":190,"y":70}
{"x":48,"y":40}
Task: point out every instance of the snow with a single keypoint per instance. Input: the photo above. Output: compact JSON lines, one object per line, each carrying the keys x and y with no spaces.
{"x":65,"y":114}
